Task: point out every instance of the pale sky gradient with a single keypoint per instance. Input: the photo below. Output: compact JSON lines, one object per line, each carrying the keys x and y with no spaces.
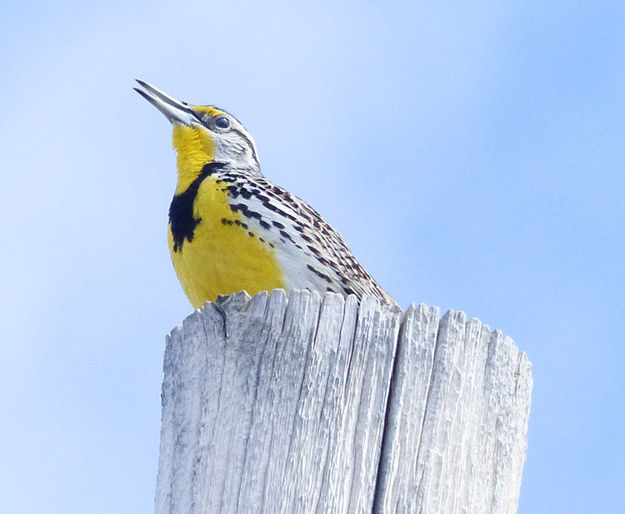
{"x":473,"y":157}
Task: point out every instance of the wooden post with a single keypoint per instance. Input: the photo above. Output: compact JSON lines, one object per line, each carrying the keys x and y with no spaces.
{"x":318,"y":404}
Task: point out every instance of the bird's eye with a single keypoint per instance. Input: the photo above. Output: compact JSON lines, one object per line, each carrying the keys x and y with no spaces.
{"x":222,"y":122}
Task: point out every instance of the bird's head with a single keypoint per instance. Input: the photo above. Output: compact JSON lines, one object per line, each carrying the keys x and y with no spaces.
{"x":203,"y":134}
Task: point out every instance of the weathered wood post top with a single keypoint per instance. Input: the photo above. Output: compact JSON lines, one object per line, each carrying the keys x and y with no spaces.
{"x":319,"y":404}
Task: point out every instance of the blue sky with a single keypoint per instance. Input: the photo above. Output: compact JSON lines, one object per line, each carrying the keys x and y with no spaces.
{"x":471,"y":155}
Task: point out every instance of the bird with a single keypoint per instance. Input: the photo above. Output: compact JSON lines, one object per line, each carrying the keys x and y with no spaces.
{"x":231,"y":229}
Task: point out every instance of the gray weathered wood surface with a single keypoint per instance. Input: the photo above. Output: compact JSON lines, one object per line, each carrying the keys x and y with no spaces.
{"x":317,"y":404}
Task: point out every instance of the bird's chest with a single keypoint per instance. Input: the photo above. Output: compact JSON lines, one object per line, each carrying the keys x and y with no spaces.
{"x":215,"y":249}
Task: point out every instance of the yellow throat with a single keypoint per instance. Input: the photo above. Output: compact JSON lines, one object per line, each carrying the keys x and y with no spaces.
{"x":212,"y":257}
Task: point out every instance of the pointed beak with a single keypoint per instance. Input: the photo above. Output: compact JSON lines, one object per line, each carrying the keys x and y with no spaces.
{"x":174,"y":110}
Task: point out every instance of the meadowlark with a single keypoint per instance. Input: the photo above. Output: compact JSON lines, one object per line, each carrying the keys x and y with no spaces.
{"x":231,"y":229}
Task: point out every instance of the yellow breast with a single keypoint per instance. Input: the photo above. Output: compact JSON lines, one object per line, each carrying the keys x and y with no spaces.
{"x":219,"y":256}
